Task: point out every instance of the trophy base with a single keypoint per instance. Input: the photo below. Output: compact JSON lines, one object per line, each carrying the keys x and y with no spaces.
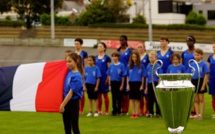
{"x":178,"y":130}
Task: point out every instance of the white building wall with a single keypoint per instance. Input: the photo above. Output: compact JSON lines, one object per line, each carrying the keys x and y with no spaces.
{"x":162,"y":18}
{"x":142,"y":7}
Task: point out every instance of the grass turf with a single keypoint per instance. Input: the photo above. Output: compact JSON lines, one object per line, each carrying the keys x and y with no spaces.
{"x":51,"y":123}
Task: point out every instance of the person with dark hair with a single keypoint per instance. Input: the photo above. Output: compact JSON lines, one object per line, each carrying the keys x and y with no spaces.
{"x":92,"y":79}
{"x":73,"y":91}
{"x":135,"y":73}
{"x":124,"y":52}
{"x":84,"y":55}
{"x":176,"y":67}
{"x":103,"y":61}
{"x":165,"y":53}
{"x":116,"y":80}
{"x":189,"y":53}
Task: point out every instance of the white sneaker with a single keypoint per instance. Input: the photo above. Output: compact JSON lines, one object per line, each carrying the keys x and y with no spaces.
{"x":96,"y":114}
{"x":89,"y":114}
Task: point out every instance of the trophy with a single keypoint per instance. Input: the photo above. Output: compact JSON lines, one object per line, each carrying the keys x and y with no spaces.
{"x":175,"y":95}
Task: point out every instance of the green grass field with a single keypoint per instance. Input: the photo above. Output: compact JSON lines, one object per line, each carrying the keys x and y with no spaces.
{"x":51,"y":123}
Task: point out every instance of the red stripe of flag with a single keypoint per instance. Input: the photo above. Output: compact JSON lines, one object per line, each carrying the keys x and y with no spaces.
{"x":50,"y":91}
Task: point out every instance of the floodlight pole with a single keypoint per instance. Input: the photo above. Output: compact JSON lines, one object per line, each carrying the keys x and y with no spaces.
{"x":52,"y":20}
{"x":150,"y":22}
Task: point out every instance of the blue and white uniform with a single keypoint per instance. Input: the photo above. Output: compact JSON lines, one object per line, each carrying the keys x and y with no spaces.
{"x":145,"y":61}
{"x":92,"y":74}
{"x":186,"y":57}
{"x":124,"y":59}
{"x":211,"y":84}
{"x":103,"y":66}
{"x":116,"y":72}
{"x":203,"y":69}
{"x":135,"y":74}
{"x":165,"y":59}
{"x":124,"y":56}
{"x":149,"y":73}
{"x":83,"y":55}
{"x":73,"y":82}
{"x":176,"y":69}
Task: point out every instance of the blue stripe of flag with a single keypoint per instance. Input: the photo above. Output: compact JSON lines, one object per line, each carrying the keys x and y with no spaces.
{"x":6,"y":85}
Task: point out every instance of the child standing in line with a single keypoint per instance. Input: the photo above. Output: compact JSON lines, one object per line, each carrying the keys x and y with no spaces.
{"x":211,"y":83}
{"x":103,"y":61}
{"x":116,"y":77}
{"x":149,"y":88}
{"x":135,"y":81}
{"x":204,"y":74}
{"x":175,"y":67}
{"x":144,"y":60}
{"x":73,"y":91}
{"x":92,"y":79}
{"x":84,"y":55}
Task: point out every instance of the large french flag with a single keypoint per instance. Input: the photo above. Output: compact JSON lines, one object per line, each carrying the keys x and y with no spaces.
{"x":36,"y":87}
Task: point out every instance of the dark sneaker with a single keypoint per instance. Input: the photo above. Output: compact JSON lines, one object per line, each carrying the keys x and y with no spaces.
{"x":149,"y":115}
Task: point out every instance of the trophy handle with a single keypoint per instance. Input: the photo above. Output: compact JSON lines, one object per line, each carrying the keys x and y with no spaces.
{"x":194,"y":71}
{"x":152,"y":75}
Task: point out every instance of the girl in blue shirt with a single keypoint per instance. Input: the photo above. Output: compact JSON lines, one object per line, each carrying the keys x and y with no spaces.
{"x":189,"y":53}
{"x":125,"y":52}
{"x":204,"y":73}
{"x":73,"y":91}
{"x":149,"y":87}
{"x":92,"y":79}
{"x":84,"y":55}
{"x":175,"y":67}
{"x":165,"y":53}
{"x":211,"y":61}
{"x":144,"y":60}
{"x":103,"y":61}
{"x":135,"y":80}
{"x":116,"y":77}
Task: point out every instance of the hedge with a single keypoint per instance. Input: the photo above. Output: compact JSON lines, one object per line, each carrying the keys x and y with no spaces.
{"x":170,"y":27}
{"x":10,"y":23}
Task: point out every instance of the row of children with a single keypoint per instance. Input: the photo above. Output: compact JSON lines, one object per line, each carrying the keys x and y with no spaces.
{"x":125,"y":78}
{"x":102,"y":76}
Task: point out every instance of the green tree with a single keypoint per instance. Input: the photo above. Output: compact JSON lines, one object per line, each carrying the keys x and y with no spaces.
{"x":191,"y":17}
{"x":105,"y":11}
{"x":195,"y":18}
{"x":139,"y":19}
{"x":201,"y":20}
{"x":5,"y":5}
{"x":30,"y":10}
